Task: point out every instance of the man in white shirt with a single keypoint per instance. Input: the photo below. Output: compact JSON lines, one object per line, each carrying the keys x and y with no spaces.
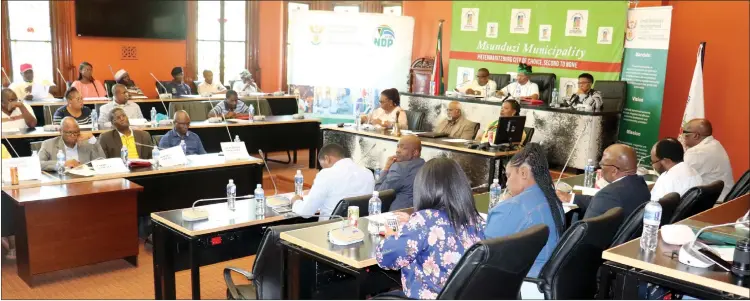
{"x":674,"y":174}
{"x":340,"y":178}
{"x":480,"y":85}
{"x":523,"y":88}
{"x":121,"y":100}
{"x":16,"y":114}
{"x":208,"y":86}
{"x":24,"y":89}
{"x":706,"y":155}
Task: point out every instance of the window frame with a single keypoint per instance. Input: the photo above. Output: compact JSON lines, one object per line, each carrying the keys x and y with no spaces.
{"x":7,"y":42}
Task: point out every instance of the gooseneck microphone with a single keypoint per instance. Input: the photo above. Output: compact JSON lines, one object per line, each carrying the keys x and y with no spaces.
{"x":65,"y":81}
{"x":223,"y":117}
{"x":6,"y":76}
{"x":165,"y":90}
{"x":572,"y":151}
{"x":263,"y":157}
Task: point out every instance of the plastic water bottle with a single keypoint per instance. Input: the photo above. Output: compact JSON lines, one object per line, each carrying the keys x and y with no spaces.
{"x":555,"y":95}
{"x":183,"y":146}
{"x":231,"y":194}
{"x":299,"y":181}
{"x":260,"y":201}
{"x":374,"y":207}
{"x":651,"y":221}
{"x":124,"y":154}
{"x":589,"y":174}
{"x":378,"y":170}
{"x":153,"y":116}
{"x":155,"y":156}
{"x":252,"y":110}
{"x":94,"y":120}
{"x":60,"y":166}
{"x":495,"y":191}
{"x":237,"y":138}
{"x":518,"y":90}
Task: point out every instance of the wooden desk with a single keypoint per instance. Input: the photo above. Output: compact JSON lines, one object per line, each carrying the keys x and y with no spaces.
{"x":225,"y":235}
{"x":70,"y":225}
{"x":661,"y":268}
{"x":371,"y":148}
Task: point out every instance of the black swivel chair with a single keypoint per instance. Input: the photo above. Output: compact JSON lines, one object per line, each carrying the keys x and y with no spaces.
{"x":742,"y":187}
{"x":572,"y":269}
{"x":614,"y":93}
{"x":414,"y":120}
{"x":668,"y":204}
{"x":108,"y":84}
{"x":386,"y":197}
{"x":159,"y":87}
{"x":529,"y":134}
{"x":631,"y":228}
{"x":268,"y":277}
{"x":546,"y":83}
{"x":501,"y":80}
{"x":476,"y":129}
{"x":697,"y":200}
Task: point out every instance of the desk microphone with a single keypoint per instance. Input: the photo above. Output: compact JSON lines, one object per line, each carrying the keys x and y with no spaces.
{"x":63,"y":77}
{"x":690,"y":254}
{"x":575,"y":145}
{"x":194,"y":214}
{"x":258,"y":116}
{"x":263,"y":157}
{"x":6,"y":76}
{"x":113,"y":77}
{"x":222,"y":117}
{"x":165,"y":90}
{"x":12,"y":148}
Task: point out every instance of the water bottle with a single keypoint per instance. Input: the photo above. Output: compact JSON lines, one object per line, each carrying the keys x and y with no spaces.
{"x":555,"y":95}
{"x":651,"y":220}
{"x":237,"y":138}
{"x":94,"y":120}
{"x":231,"y":194}
{"x":495,"y":191}
{"x":299,"y":181}
{"x":378,"y":170}
{"x":155,"y":156}
{"x":35,"y":153}
{"x":153,"y":116}
{"x":260,"y":201}
{"x":374,"y":207}
{"x":589,"y":174}
{"x":432,"y":87}
{"x":124,"y":154}
{"x":183,"y":146}
{"x":60,"y":166}
{"x":518,"y":90}
{"x":487,"y":90}
{"x":252,"y":110}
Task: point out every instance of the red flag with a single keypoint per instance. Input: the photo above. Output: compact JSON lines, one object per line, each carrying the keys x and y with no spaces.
{"x":437,"y":71}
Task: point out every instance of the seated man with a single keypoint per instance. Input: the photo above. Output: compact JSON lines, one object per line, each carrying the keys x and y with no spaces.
{"x":625,"y":190}
{"x":181,"y":131}
{"x":121,"y":100}
{"x":246,"y":83}
{"x":209,"y":86}
{"x":400,"y":170}
{"x":177,"y":86}
{"x":706,"y":155}
{"x":16,"y":114}
{"x":138,"y":142}
{"x":586,"y":95}
{"x":23,"y":88}
{"x":480,"y":85}
{"x":76,"y":151}
{"x":231,"y":107}
{"x":674,"y":174}
{"x":456,"y":126}
{"x":509,"y":108}
{"x":122,"y":77}
{"x":340,"y":178}
{"x":523,"y":88}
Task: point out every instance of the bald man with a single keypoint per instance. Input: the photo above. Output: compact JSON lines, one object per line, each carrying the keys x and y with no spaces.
{"x":400,"y":170}
{"x":706,"y":155}
{"x":625,"y":190}
{"x":180,"y":132}
{"x":75,"y":150}
{"x":16,"y":114}
{"x":455,"y":125}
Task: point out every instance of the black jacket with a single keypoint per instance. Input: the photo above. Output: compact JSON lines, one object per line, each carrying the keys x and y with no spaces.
{"x":628,"y":193}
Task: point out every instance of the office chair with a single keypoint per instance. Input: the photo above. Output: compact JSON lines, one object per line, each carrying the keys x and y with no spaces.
{"x":668,"y":204}
{"x":742,"y":187}
{"x":414,"y":120}
{"x":386,"y":197}
{"x":697,"y":200}
{"x":529,"y":134}
{"x":156,"y":139}
{"x":501,"y":80}
{"x":631,"y":228}
{"x":571,"y":271}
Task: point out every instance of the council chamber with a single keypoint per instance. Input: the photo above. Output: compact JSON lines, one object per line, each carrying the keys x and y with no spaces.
{"x":375,"y":150}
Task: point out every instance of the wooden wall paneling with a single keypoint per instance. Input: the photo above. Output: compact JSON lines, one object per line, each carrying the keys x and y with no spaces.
{"x":6,"y":63}
{"x":191,"y":44}
{"x":252,"y":22}
{"x":61,"y":12}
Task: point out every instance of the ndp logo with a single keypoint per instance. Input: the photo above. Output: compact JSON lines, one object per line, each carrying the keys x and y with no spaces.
{"x":384,"y":37}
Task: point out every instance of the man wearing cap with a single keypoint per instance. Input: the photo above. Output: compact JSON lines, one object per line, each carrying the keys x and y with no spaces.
{"x":23,"y":89}
{"x":523,"y":88}
{"x":177,"y":86}
{"x":246,"y":84}
{"x":122,"y":77}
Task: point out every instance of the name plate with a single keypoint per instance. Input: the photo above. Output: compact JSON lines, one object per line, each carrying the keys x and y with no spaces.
{"x":172,"y":156}
{"x":29,"y":168}
{"x":234,"y":151}
{"x":106,"y":166}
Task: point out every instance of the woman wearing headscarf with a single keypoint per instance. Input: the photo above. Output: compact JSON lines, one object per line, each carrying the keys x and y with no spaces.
{"x":86,"y":84}
{"x":122,"y":77}
{"x":523,"y":88}
{"x":246,"y":84}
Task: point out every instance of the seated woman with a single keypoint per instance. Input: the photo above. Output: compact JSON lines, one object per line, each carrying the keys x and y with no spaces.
{"x":177,"y":86}
{"x":533,"y":201}
{"x":586,"y":95}
{"x":388,"y":111}
{"x":86,"y":84}
{"x":246,"y":83}
{"x":430,"y":242}
{"x":122,"y":77}
{"x":74,"y":108}
{"x":509,"y":108}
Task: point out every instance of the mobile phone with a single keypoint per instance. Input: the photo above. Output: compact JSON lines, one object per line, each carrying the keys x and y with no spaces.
{"x":715,"y":258}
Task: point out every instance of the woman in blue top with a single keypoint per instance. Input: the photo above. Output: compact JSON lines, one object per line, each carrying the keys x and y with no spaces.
{"x":430,"y":242}
{"x":533,"y":202}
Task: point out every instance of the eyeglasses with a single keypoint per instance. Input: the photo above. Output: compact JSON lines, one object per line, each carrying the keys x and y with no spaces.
{"x":72,"y":133}
{"x":657,"y":161}
{"x":603,"y":164}
{"x":584,"y":83}
{"x":686,"y":132}
{"x":482,"y":76}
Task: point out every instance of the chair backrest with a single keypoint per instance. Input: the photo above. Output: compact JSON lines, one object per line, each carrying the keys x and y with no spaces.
{"x":49,"y":112}
{"x":491,"y":262}
{"x":571,"y":271}
{"x":614,"y":93}
{"x":261,"y":106}
{"x":529,"y":134}
{"x":697,"y":200}
{"x":35,"y":146}
{"x":668,"y":204}
{"x":414,"y":120}
{"x":631,"y":228}
{"x":108,"y":84}
{"x":501,"y":80}
{"x":198,"y":110}
{"x":268,"y":266}
{"x":742,"y":187}
{"x":159,"y":87}
{"x":362,"y":201}
{"x":546,"y":83}
{"x":156,"y":139}
{"x":477,"y":126}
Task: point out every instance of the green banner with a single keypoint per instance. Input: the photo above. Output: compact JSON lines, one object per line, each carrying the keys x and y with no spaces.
{"x":644,"y":68}
{"x":562,"y":37}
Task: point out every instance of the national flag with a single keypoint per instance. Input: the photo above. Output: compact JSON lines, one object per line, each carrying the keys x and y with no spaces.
{"x":695,"y":101}
{"x":437,"y":71}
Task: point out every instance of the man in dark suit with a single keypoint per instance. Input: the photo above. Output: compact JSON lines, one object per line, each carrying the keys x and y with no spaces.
{"x":400,"y":170}
{"x":137,"y":142}
{"x":625,"y":190}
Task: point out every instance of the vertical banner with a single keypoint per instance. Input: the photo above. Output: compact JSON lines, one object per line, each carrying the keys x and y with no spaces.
{"x":644,"y":68}
{"x":562,"y":37}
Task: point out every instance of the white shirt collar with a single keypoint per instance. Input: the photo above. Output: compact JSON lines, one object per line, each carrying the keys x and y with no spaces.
{"x":121,"y":134}
{"x":74,"y":148}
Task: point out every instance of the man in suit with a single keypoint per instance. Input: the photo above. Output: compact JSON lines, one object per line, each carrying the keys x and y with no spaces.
{"x":400,"y":170}
{"x":456,"y":126}
{"x":139,"y":143}
{"x":75,"y":151}
{"x":625,"y":190}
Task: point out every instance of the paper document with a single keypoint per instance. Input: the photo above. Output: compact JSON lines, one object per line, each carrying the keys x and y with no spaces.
{"x":83,"y":171}
{"x":586,"y":190}
{"x":456,"y":140}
